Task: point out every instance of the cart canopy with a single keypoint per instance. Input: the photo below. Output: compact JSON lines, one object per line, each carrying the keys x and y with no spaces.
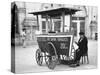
{"x":56,"y":12}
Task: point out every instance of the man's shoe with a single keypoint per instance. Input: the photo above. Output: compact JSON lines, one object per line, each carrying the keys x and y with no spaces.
{"x":73,"y":65}
{"x":71,"y":62}
{"x":77,"y":64}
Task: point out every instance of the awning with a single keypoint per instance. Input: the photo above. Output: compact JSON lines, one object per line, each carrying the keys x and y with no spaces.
{"x":56,"y":12}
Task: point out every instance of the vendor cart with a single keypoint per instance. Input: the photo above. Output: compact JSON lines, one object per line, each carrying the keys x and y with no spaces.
{"x":55,"y":47}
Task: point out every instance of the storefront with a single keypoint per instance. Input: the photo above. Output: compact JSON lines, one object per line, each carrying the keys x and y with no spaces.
{"x":30,"y":24}
{"x":78,"y":25}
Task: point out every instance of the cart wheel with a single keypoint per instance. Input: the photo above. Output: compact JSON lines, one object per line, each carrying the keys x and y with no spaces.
{"x":47,"y":55}
{"x":52,"y":61}
{"x":51,"y":58}
{"x":39,"y":57}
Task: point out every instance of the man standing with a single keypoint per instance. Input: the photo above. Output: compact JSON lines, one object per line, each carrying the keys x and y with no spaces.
{"x":24,"y":38}
{"x":83,"y":48}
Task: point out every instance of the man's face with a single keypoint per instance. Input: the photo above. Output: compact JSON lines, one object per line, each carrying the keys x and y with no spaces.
{"x":81,"y":36}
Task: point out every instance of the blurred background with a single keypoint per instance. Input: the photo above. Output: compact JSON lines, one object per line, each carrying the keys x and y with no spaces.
{"x":84,"y":20}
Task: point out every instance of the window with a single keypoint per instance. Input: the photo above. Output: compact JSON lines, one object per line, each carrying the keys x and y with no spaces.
{"x":57,"y":25}
{"x":74,"y":26}
{"x":43,"y":26}
{"x":81,"y":18}
{"x":74,"y":18}
{"x":82,"y":26}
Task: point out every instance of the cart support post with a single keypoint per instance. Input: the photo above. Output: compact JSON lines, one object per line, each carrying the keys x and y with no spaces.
{"x":70,"y":22}
{"x":37,"y":21}
{"x":47,"y":22}
{"x":51,"y":25}
{"x":62,"y":21}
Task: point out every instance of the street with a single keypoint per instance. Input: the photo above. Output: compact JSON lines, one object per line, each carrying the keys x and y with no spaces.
{"x":25,"y":59}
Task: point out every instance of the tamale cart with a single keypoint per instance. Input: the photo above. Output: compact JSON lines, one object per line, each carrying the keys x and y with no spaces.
{"x":53,"y":46}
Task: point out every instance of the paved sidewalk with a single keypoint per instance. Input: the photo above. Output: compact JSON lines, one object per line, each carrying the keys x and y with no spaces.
{"x":25,"y":60}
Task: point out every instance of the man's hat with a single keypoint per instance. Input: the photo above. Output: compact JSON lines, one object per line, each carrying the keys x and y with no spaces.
{"x":23,"y":29}
{"x":81,"y":33}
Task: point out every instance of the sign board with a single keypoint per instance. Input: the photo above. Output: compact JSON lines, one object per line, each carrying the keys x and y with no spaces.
{"x":62,"y":43}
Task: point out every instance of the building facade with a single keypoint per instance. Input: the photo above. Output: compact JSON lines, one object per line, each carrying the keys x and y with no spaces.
{"x":84,"y":20}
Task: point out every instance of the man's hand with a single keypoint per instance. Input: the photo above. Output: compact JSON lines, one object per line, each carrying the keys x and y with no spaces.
{"x":76,"y":42}
{"x":78,"y":50}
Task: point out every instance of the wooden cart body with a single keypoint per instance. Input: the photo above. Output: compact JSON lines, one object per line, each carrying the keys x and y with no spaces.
{"x":62,"y":43}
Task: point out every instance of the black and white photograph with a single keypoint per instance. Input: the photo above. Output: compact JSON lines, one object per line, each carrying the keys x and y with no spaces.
{"x":49,"y":37}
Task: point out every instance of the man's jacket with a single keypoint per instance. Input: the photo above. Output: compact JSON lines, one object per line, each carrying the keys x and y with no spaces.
{"x":83,"y":45}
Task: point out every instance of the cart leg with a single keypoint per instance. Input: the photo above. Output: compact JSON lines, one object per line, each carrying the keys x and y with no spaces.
{"x":84,"y":59}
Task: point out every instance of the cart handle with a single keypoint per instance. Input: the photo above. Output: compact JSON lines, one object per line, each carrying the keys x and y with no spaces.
{"x":54,"y":48}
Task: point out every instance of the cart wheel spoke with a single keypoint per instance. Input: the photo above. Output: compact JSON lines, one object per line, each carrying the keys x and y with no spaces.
{"x":47,"y":58}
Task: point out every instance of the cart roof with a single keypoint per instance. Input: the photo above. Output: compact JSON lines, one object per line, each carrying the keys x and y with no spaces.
{"x":56,"y":12}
